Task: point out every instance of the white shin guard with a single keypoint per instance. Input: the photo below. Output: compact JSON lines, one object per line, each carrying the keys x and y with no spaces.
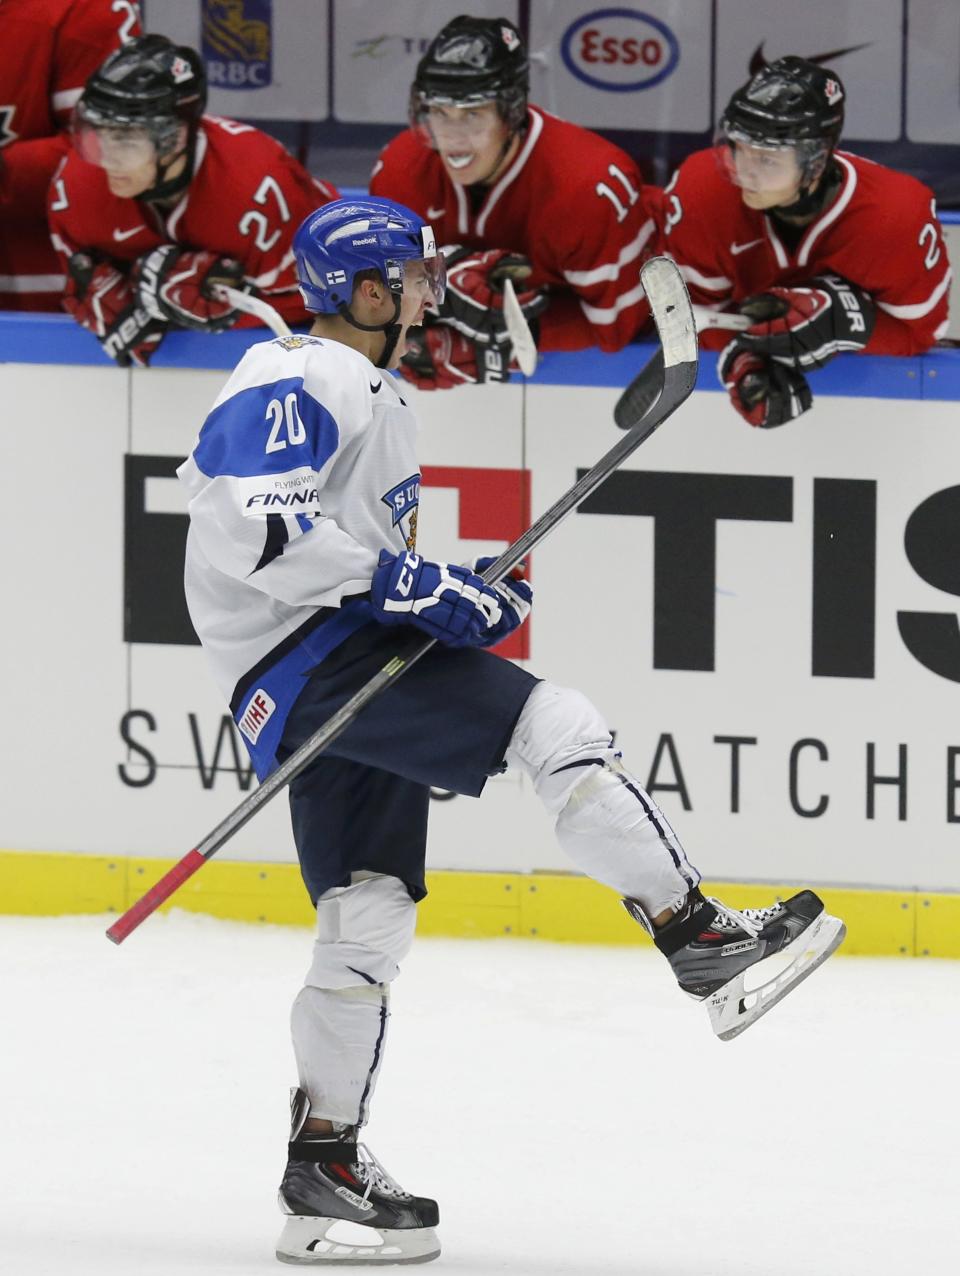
{"x":608,"y":825}
{"x":339,"y":1018}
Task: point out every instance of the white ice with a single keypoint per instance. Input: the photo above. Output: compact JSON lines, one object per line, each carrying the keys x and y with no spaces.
{"x":569,"y":1108}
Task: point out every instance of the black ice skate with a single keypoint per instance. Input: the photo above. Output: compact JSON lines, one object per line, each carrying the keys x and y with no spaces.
{"x":344,"y":1207}
{"x":743,"y":963}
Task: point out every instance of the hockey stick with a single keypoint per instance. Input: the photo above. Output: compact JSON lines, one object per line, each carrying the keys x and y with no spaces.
{"x":729,"y":319}
{"x":251,"y":305}
{"x":521,"y":338}
{"x":641,"y":393}
{"x":675,"y":326}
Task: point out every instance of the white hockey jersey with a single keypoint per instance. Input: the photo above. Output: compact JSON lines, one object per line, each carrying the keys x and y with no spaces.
{"x":303,"y":471}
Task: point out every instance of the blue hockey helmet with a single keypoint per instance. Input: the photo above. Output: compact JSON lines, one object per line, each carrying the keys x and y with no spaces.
{"x":334,"y":244}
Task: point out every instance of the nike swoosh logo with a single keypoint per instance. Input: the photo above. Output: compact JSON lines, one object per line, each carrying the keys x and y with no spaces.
{"x":434,"y":212}
{"x":758,"y":61}
{"x":737,"y":249}
{"x":375,"y":389}
{"x":127,"y":234}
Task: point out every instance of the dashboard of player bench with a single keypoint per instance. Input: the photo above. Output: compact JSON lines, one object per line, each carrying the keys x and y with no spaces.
{"x":768,"y":619}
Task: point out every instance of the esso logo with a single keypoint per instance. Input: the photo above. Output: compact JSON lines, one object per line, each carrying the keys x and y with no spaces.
{"x":619,"y":50}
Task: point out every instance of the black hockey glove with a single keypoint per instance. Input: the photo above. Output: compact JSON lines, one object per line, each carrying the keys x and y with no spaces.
{"x":105,"y":302}
{"x":807,"y":326}
{"x":175,"y":285}
{"x":474,"y":296}
{"x":764,"y":392}
{"x":440,"y":358}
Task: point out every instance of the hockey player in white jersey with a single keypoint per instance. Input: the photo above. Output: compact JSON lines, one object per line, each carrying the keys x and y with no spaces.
{"x":302,"y":568}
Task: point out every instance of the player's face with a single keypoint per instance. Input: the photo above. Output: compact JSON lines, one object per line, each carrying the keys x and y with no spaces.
{"x":470,"y":140}
{"x":767,"y":176}
{"x":128,"y":156}
{"x":424,"y":282}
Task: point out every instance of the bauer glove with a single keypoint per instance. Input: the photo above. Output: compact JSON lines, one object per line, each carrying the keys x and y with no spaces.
{"x":473,"y":303}
{"x":807,"y":326}
{"x":175,"y":286}
{"x":104,"y":302}
{"x":765,"y":393}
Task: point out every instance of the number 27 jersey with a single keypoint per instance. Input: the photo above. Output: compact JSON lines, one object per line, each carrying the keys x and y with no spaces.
{"x":246,"y":199}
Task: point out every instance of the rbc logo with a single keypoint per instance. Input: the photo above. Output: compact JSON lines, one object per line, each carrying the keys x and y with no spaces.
{"x":619,"y":50}
{"x":237,"y":43}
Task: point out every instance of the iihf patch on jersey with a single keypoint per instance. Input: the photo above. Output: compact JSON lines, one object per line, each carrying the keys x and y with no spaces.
{"x":293,"y":492}
{"x":256,"y":715}
{"x":297,"y":343}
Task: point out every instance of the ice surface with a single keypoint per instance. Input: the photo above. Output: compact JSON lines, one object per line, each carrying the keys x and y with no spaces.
{"x":569,"y":1108}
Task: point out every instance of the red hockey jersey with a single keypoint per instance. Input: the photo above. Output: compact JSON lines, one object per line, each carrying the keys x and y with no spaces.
{"x":570,"y":201}
{"x":881,"y":233}
{"x":48,"y":49}
{"x":246,"y":199}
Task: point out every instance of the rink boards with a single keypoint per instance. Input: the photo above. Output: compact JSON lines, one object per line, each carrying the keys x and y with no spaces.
{"x":767,"y":619}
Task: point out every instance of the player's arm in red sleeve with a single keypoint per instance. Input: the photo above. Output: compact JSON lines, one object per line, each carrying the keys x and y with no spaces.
{"x":25,"y":169}
{"x":91,"y":29}
{"x":398,"y":174}
{"x":912,"y":301}
{"x":597,"y":243}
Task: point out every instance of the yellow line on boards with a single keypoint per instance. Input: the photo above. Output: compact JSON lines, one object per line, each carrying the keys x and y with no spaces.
{"x":557,"y":906}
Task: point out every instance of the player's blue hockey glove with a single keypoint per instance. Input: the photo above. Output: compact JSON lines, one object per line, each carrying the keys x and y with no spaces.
{"x":516,"y":599}
{"x":446,"y":601}
{"x":765,"y":393}
{"x":806,"y":327}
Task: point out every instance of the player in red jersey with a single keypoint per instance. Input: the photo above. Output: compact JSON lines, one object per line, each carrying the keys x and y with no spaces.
{"x":160,"y":201}
{"x":47,"y":50}
{"x":823,"y":250}
{"x":522,"y":193}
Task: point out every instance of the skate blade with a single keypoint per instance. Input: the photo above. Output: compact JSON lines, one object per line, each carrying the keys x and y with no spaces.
{"x":733,"y":1009}
{"x":308,"y":1241}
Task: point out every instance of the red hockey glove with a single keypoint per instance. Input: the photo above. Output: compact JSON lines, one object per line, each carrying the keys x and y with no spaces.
{"x":764,"y":392}
{"x":439,"y":358}
{"x":808,"y":326}
{"x":104,"y":301}
{"x":174,"y":285}
{"x":474,"y":298}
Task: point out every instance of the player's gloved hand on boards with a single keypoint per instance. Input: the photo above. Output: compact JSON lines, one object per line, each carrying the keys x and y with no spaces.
{"x":439,"y":358}
{"x":516,"y":599}
{"x":175,"y":285}
{"x":808,"y":326}
{"x":473,"y":303}
{"x":764,"y":392}
{"x":105,"y":302}
{"x":446,"y":601}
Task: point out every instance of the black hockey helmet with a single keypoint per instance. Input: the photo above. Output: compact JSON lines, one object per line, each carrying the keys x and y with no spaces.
{"x":154,"y":85}
{"x":470,"y":62}
{"x":790,"y":102}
